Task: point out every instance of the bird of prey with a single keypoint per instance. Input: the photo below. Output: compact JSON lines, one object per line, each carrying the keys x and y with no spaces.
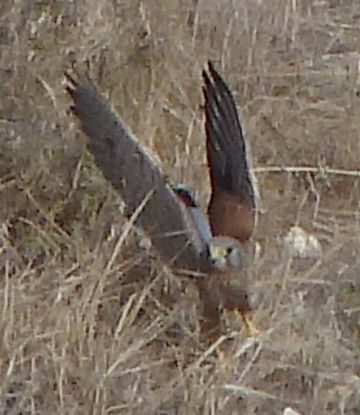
{"x":179,"y":232}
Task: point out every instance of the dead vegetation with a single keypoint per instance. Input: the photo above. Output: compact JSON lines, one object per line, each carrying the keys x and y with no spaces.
{"x":90,"y":323}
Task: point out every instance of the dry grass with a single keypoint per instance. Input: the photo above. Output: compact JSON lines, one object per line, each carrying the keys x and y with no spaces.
{"x":83,"y":333}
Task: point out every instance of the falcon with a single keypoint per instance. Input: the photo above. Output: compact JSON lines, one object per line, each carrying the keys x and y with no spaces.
{"x":182,"y":236}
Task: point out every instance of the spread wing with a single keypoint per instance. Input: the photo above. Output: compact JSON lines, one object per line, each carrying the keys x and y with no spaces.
{"x":138,"y":179}
{"x":232,"y":207}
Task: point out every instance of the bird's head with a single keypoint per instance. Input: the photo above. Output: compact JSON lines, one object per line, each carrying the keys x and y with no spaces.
{"x":226,"y":254}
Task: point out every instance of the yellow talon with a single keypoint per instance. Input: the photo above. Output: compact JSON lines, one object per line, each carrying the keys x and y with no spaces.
{"x":252,"y":330}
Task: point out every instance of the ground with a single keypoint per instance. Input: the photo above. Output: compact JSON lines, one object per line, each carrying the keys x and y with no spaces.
{"x":91,"y":323}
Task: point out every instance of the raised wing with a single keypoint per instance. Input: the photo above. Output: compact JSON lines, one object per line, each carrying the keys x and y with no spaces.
{"x":138,"y":179}
{"x":232,"y":207}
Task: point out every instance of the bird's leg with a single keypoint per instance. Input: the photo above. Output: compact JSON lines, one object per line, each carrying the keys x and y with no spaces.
{"x":252,"y":330}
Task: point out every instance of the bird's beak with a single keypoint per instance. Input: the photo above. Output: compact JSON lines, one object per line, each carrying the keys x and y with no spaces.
{"x":252,"y":330}
{"x":217,"y":257}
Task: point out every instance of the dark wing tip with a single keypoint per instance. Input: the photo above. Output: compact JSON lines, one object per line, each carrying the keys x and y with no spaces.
{"x":218,"y":80}
{"x":71,"y":87}
{"x":206,"y":79}
{"x":70,"y":91}
{"x":70,"y":78}
{"x":71,"y":83}
{"x":75,"y":78}
{"x":211,"y":66}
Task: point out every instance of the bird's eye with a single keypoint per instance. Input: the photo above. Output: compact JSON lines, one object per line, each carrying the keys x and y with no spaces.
{"x":229,"y":250}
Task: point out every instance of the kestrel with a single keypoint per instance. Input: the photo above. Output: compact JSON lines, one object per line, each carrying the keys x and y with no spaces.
{"x":180,"y":233}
